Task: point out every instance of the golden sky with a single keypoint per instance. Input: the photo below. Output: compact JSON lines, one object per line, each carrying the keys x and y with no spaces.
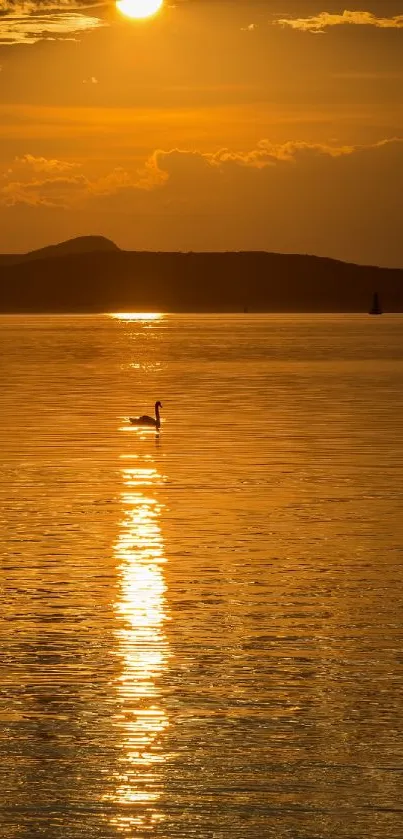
{"x":241,"y":124}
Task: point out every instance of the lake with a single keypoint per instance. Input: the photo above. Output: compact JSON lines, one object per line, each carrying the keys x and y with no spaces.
{"x":201,"y":630}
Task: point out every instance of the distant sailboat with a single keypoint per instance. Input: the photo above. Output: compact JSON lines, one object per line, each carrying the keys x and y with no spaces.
{"x":376,"y":308}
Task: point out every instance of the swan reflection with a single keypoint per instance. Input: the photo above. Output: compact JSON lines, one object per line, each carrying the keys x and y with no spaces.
{"x":142,"y":646}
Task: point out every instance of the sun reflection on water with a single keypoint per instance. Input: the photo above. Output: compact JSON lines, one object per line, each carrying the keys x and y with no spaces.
{"x":142,"y":646}
{"x":139,"y":316}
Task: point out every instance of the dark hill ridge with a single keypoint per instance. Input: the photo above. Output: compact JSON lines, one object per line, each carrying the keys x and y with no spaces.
{"x":81,"y":244}
{"x":108,"y":279}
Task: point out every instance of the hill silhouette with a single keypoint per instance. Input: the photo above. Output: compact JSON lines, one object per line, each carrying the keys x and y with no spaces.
{"x":90,"y":274}
{"x":80,"y":244}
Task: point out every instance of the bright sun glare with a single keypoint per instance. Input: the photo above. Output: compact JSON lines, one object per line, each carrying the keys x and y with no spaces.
{"x":139,"y":8}
{"x":136,"y":315}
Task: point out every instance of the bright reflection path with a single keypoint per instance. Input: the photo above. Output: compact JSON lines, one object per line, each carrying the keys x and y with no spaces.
{"x":142,"y":646}
{"x":141,"y":316}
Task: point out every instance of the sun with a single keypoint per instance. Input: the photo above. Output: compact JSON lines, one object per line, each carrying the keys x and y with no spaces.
{"x":139,"y":8}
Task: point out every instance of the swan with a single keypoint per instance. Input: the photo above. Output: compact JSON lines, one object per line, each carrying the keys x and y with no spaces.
{"x":155,"y":422}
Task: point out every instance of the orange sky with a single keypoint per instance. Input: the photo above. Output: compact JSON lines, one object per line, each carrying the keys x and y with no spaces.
{"x":213,"y":125}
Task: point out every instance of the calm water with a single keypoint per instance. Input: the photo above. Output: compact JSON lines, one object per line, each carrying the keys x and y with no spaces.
{"x":201,"y":631}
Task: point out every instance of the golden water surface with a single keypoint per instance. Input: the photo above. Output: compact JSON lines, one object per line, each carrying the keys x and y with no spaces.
{"x":201,"y":630}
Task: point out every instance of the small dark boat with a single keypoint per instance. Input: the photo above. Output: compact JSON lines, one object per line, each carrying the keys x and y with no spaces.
{"x":376,"y":308}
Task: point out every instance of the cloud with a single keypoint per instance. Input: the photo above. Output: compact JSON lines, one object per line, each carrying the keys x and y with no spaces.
{"x":114,"y":182}
{"x":30,"y":22}
{"x":26,"y":7}
{"x":43,"y":164}
{"x":180,"y":171}
{"x":164,"y":165}
{"x":333,"y":200}
{"x":50,"y":192}
{"x":91,"y":80}
{"x":318,"y":23}
{"x":42,"y":182}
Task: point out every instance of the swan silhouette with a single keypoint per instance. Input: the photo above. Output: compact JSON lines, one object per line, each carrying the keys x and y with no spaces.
{"x":154,"y":422}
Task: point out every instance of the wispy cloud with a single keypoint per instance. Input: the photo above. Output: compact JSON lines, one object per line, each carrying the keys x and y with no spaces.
{"x":324,"y":20}
{"x":47,"y":182}
{"x":43,"y":164}
{"x":45,"y":20}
